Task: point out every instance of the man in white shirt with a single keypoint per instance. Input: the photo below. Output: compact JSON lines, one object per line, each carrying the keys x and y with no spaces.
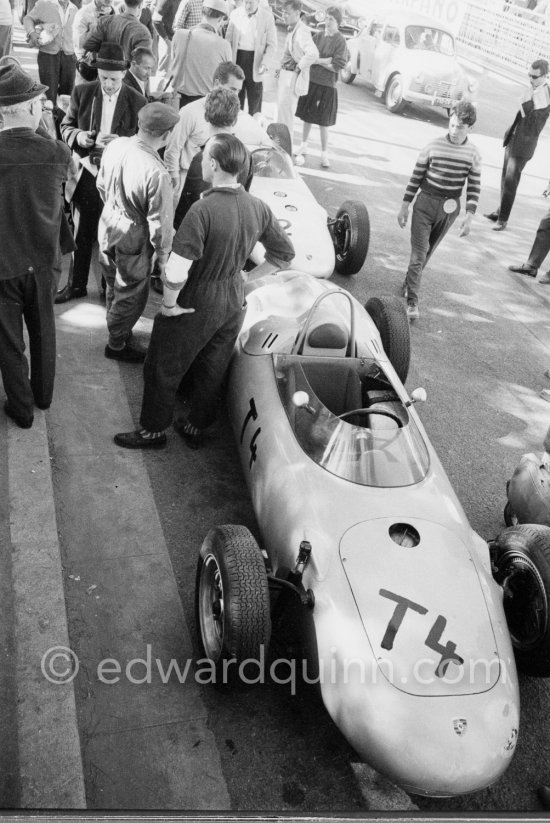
{"x":192,"y":131}
{"x":253,"y":39}
{"x":98,"y":112}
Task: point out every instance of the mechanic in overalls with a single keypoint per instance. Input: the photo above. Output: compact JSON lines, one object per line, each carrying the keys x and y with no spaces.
{"x":203,"y":305}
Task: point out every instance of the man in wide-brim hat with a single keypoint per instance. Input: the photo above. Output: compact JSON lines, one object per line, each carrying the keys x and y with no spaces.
{"x":33,"y":169}
{"x":98,"y":112}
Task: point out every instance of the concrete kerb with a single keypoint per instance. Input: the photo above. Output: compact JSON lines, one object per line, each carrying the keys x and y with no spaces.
{"x":50,"y":763}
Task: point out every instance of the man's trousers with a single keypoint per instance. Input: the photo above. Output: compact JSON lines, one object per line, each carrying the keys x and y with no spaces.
{"x":429,"y":225}
{"x":251,"y":90}
{"x":28,"y":298}
{"x":57,"y":71}
{"x":541,"y":245}
{"x":202,"y":342}
{"x":509,"y":182}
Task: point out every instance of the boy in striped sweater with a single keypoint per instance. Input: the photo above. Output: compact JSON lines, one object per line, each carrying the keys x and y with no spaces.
{"x":442,"y":168}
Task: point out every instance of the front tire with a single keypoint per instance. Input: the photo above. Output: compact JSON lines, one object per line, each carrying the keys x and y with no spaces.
{"x":232,"y":600}
{"x":521,"y":565}
{"x":394,"y":94}
{"x":351,"y":237}
{"x":390,"y":318}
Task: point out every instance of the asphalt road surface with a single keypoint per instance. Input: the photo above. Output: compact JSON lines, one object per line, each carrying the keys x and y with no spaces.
{"x":479,"y":349}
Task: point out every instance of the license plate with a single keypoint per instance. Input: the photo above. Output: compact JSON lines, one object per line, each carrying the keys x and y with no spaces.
{"x":446,"y":102}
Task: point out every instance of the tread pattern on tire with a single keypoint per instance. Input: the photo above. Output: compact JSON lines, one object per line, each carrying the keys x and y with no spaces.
{"x":390,"y":318}
{"x":532,"y":541}
{"x":359,"y":237}
{"x":247,"y":621}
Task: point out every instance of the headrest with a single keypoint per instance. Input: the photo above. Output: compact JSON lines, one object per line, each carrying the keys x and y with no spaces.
{"x":327,"y":336}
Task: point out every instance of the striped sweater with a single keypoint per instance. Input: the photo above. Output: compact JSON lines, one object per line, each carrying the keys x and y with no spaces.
{"x":442,"y":169}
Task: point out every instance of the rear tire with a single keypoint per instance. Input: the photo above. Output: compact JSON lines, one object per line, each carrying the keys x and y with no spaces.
{"x":351,"y":237}
{"x":346,"y":74}
{"x":232,"y":600}
{"x":390,"y":318}
{"x":393,"y":96}
{"x":521,"y":561}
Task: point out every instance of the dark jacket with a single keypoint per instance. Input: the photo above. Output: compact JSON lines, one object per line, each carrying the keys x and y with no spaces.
{"x":522,"y":136}
{"x":84,"y":113}
{"x":124,"y":29}
{"x":131,"y":81}
{"x":167,"y":9}
{"x":33,"y":169}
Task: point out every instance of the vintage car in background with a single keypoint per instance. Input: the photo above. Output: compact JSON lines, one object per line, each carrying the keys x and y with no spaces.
{"x":408,"y":58}
{"x":353,"y":12}
{"x":365,"y":548}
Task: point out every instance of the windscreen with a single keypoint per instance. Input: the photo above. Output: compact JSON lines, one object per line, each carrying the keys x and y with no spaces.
{"x":353,"y":424}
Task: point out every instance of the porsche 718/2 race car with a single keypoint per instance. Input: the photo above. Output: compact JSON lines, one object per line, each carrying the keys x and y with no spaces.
{"x":362,"y":532}
{"x":322,"y":244}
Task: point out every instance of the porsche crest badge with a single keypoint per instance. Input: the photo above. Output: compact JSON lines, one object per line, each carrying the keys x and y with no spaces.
{"x":460,"y":725}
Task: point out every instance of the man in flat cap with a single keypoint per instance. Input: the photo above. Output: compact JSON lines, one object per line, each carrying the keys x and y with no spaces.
{"x":136,"y":223}
{"x":98,"y":112}
{"x":197,"y":52}
{"x":33,"y":169}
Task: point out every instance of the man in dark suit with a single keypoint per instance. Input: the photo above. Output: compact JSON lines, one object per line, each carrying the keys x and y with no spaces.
{"x":33,"y":169}
{"x":520,"y":140}
{"x":142,"y":64}
{"x":98,"y":112}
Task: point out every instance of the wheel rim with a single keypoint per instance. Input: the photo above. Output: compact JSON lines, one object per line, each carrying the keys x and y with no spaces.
{"x":343,"y":234}
{"x":395,"y":93}
{"x":211,"y":608}
{"x":525,"y":601}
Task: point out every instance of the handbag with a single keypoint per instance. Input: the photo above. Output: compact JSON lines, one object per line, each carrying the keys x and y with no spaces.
{"x":85,"y":69}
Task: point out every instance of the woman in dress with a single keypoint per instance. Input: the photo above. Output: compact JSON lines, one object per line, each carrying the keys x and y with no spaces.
{"x":320,"y":104}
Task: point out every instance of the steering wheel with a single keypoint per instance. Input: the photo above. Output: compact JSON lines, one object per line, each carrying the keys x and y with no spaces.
{"x":373,"y":410}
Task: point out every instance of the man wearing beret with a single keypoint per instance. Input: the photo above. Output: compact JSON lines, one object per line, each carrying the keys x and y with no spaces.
{"x":33,"y":169}
{"x":136,"y":223}
{"x":98,"y":112}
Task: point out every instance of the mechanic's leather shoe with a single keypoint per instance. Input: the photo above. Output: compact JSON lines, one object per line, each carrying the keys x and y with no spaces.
{"x":524,"y":269}
{"x":22,"y":422}
{"x":137,"y":440}
{"x":545,"y":279}
{"x":543,"y":794}
{"x":69,"y":293}
{"x":129,"y":354}
{"x":193,"y":437}
{"x":412,"y":311}
{"x":492,"y":216}
{"x":500,"y":225}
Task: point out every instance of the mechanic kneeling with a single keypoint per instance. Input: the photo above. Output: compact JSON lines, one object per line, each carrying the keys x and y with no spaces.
{"x":203,"y":304}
